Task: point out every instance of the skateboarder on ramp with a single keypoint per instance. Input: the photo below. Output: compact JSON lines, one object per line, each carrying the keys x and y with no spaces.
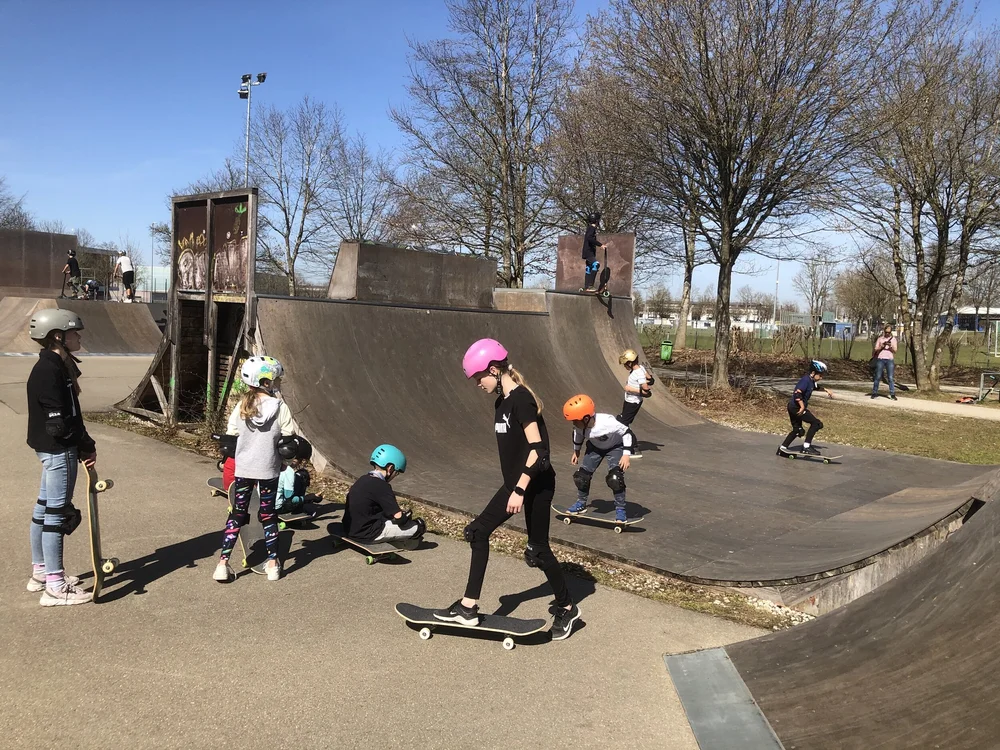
{"x":59,"y":438}
{"x":529,"y":484}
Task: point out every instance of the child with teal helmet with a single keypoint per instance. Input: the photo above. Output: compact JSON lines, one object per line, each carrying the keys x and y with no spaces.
{"x":372,"y":513}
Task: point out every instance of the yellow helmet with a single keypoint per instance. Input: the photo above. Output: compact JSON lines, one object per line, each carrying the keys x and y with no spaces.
{"x":628,"y":355}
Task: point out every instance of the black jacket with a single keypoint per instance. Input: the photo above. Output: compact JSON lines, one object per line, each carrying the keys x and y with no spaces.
{"x":54,"y":419}
{"x":590,"y":244}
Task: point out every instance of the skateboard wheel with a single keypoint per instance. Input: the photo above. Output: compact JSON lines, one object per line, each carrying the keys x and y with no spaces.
{"x":618,"y":529}
{"x":425,"y":634}
{"x":508,"y":644}
{"x":369,"y":560}
{"x":100,"y":485}
{"x":245,"y":565}
{"x":108,"y":566}
{"x":567,"y":520}
{"x":826,"y":460}
{"x":220,"y":465}
{"x":282,"y":525}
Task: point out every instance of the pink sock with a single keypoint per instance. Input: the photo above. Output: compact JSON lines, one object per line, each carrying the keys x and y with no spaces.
{"x":55,"y":581}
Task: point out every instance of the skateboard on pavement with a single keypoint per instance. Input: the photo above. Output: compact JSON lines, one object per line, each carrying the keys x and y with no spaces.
{"x":373,"y":550}
{"x":215,"y":488}
{"x":798,"y":454}
{"x":102,"y":566}
{"x":593,"y":515}
{"x":510,"y":627}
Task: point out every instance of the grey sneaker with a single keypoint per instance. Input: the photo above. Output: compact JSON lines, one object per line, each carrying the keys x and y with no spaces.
{"x":37,"y":585}
{"x":67,"y":595}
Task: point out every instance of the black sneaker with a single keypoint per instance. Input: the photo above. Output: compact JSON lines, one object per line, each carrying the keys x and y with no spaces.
{"x":892,"y":397}
{"x":468,"y":616}
{"x":562,"y":621}
{"x":811,"y":451}
{"x":874,"y":395}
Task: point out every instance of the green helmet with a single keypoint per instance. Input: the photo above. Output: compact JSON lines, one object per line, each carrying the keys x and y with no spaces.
{"x":44,"y":322}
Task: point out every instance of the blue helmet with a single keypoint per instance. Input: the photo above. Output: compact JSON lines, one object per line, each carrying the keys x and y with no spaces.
{"x":387,"y":454}
{"x":820,"y":367}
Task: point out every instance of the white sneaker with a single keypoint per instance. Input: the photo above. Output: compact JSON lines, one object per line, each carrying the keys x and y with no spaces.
{"x":36,"y":585}
{"x":273,"y":570}
{"x":69,"y":594}
{"x":223,"y":572}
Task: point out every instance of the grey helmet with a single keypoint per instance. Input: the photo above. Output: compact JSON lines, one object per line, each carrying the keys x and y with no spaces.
{"x":44,"y":322}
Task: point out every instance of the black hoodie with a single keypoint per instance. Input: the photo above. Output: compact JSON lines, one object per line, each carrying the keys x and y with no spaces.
{"x":54,"y":419}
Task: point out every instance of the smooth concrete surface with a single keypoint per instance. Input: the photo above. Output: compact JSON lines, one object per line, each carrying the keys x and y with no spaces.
{"x":105,"y":380}
{"x":172,"y":659}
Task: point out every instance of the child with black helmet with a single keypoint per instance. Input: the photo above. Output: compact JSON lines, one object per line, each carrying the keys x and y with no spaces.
{"x":637,"y":387}
{"x":372,"y":513}
{"x":589,"y":254}
{"x":72,"y":273}
{"x":798,"y":409}
{"x":259,"y":422}
{"x":605,"y":438}
{"x":59,"y":438}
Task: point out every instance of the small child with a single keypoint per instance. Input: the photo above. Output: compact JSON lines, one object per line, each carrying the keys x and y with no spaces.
{"x":636,"y":389}
{"x":798,"y":409}
{"x":372,"y":513}
{"x":606,"y":437}
{"x":292,"y":485}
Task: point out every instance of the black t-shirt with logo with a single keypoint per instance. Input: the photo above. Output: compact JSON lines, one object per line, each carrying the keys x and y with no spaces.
{"x":512,"y":414}
{"x":74,"y":266}
{"x":370,"y":503}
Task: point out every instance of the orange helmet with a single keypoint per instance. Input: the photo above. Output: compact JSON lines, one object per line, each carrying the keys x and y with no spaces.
{"x":578,"y":407}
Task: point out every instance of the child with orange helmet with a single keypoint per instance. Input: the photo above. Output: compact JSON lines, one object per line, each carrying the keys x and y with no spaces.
{"x":605,"y":437}
{"x":529,"y":484}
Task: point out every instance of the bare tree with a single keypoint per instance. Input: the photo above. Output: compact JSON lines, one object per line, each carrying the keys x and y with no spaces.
{"x":927,"y":190}
{"x":814,"y":281}
{"x":362,"y":192}
{"x":982,"y":289}
{"x":865,"y":291}
{"x":13,"y":214}
{"x":658,"y":302}
{"x":739,"y":107}
{"x":293,"y":163}
{"x":483,"y":104}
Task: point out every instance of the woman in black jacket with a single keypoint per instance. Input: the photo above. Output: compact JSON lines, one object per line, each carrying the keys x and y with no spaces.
{"x":59,"y":438}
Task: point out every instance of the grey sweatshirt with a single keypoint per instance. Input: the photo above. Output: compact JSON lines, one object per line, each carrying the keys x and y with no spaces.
{"x":256,"y":445}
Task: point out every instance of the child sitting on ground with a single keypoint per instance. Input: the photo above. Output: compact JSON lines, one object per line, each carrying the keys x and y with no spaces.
{"x":372,"y":513}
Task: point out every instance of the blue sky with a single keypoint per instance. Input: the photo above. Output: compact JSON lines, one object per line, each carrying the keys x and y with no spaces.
{"x":109,"y":105}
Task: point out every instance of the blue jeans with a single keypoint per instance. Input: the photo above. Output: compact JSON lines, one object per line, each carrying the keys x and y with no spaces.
{"x":889,"y":366}
{"x":56,"y":490}
{"x":592,"y":459}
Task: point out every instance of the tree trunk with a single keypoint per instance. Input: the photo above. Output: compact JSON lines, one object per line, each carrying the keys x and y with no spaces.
{"x":680,"y":339}
{"x":723,"y":334}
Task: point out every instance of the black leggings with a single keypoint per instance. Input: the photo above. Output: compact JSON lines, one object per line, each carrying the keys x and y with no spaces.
{"x":537,"y":500}
{"x":815,"y":425}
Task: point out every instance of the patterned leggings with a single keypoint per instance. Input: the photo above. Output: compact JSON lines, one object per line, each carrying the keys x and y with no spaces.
{"x":240,"y":515}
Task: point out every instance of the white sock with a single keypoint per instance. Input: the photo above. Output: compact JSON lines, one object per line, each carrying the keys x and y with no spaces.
{"x":805,"y":445}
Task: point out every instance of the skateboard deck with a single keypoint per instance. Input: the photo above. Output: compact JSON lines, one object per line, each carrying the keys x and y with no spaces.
{"x":373,"y":550}
{"x":592,"y":515}
{"x":510,"y":627}
{"x":798,"y":454}
{"x":215,"y":488}
{"x":102,"y":566}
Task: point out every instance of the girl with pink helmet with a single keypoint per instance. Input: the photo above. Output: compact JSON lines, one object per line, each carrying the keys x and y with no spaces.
{"x":529,"y":484}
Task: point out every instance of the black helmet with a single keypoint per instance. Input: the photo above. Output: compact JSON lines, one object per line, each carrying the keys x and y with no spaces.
{"x":594,"y":218}
{"x":71,"y":253}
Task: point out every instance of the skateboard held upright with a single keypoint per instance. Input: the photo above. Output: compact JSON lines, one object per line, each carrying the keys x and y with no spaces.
{"x":102,"y":566}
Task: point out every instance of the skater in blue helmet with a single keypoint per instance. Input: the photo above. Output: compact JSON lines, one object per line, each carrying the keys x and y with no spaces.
{"x":798,"y":409}
{"x":372,"y":513}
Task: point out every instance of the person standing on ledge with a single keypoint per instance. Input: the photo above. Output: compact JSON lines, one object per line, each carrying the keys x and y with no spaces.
{"x":885,"y":361}
{"x":589,"y":255}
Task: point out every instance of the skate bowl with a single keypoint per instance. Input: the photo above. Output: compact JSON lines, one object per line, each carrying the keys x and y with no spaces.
{"x":912,"y":664}
{"x":109,"y":327}
{"x":722,"y":508}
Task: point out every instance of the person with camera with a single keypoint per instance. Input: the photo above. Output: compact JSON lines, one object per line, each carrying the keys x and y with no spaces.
{"x":885,"y":361}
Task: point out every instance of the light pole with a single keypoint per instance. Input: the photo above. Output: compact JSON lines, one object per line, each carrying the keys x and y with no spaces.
{"x":774,"y":314}
{"x":246,"y":86}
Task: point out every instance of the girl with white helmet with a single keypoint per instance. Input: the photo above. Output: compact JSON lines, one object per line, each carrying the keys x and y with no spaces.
{"x":798,"y":409}
{"x":59,"y":438}
{"x":637,"y":387}
{"x":529,"y":485}
{"x":259,"y":422}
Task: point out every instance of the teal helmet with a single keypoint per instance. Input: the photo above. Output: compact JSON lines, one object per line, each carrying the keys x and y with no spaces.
{"x":387,"y":454}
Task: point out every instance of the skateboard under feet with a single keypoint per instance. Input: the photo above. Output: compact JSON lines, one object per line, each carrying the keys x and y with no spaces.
{"x":789,"y":453}
{"x":510,"y":627}
{"x":607,"y":517}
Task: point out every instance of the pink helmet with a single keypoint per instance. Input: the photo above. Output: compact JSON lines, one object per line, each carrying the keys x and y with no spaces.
{"x":478,"y":356}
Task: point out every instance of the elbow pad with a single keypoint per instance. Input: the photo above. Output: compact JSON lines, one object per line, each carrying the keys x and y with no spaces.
{"x":55,"y":425}
{"x":541,"y":462}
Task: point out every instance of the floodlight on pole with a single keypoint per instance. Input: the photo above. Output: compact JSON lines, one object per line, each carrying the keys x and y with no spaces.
{"x":246,"y":86}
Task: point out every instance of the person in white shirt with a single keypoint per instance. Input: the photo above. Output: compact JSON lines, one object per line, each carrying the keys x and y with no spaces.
{"x":605,"y":437}
{"x":636,"y":389}
{"x":124,"y":264}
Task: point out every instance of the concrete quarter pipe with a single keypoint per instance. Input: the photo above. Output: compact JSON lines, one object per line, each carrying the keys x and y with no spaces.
{"x":109,"y":327}
{"x":722,"y":508}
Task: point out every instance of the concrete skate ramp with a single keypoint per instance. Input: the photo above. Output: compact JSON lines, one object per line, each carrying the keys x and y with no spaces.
{"x":722,"y":507}
{"x":912,"y":665}
{"x":109,"y":327}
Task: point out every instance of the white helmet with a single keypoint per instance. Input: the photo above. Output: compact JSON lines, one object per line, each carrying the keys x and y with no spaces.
{"x":256,"y":369}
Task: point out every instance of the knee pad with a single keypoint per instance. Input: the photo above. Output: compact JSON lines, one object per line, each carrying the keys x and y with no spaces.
{"x":242,"y":518}
{"x":301,"y":483}
{"x":800,"y":431}
{"x":581,"y":478}
{"x":819,"y":425}
{"x":616,"y":479}
{"x":476,"y":532}
{"x":532,"y":556}
{"x":69,"y":518}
